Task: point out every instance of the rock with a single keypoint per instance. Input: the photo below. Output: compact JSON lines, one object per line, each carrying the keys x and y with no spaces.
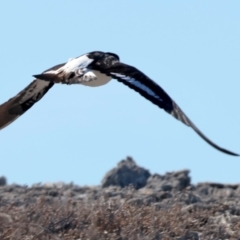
{"x":157,"y":182}
{"x":54,"y":184}
{"x":217,"y":190}
{"x":3,"y":181}
{"x":5,"y":219}
{"x":174,"y":180}
{"x":126,"y":173}
{"x":186,"y":198}
{"x":190,"y":236}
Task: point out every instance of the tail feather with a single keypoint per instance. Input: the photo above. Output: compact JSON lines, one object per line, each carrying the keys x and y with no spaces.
{"x":49,"y":77}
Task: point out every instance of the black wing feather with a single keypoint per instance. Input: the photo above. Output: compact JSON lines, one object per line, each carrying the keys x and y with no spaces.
{"x":138,"y":81}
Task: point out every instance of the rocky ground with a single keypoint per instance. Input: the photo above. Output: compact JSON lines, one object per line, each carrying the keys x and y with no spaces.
{"x":130,"y":204}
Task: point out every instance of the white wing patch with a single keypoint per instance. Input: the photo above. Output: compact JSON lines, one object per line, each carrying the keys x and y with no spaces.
{"x":137,"y":84}
{"x":73,"y":65}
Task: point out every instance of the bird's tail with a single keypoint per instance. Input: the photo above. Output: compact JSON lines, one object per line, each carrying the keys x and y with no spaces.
{"x":49,"y":77}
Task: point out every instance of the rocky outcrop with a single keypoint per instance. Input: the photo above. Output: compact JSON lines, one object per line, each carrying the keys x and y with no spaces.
{"x":126,"y":173}
{"x":181,"y":209}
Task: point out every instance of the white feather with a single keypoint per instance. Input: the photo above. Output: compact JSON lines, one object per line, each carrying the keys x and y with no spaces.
{"x":137,"y":84}
{"x":94,"y":79}
{"x":73,"y":64}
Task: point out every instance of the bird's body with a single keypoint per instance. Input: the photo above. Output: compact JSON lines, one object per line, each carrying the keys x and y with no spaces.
{"x":78,"y":71}
{"x":95,"y":69}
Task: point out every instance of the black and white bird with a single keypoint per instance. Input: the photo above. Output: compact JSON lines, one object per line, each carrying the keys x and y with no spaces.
{"x":95,"y":69}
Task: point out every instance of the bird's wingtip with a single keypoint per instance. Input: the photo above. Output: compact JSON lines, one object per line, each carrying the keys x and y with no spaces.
{"x":236,"y":155}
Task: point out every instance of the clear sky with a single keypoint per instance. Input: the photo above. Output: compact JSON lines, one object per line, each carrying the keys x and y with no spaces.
{"x":77,"y":133}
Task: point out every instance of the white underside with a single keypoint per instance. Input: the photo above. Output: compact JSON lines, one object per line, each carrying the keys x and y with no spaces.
{"x":94,"y":79}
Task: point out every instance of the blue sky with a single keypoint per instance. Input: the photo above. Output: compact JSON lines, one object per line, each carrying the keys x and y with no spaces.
{"x":77,"y":133}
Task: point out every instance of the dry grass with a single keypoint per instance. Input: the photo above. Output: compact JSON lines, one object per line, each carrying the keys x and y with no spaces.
{"x":53,"y":218}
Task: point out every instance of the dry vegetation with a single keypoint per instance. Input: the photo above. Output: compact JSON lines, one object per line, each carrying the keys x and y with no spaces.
{"x":53,"y":218}
{"x":130,"y":204}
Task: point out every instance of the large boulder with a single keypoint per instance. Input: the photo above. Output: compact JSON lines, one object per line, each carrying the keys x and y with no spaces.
{"x":126,"y":173}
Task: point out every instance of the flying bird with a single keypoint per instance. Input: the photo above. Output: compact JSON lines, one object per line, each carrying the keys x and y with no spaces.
{"x":95,"y":69}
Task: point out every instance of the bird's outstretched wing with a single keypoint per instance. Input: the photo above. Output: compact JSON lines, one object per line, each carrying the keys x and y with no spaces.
{"x":139,"y":82}
{"x":108,"y":64}
{"x":24,"y":100}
